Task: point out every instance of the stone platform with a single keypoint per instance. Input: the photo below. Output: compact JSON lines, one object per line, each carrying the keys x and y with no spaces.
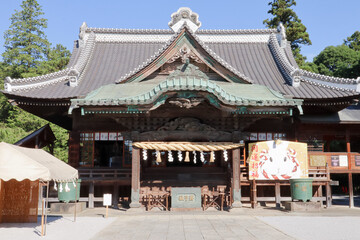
{"x":64,"y":208}
{"x":302,"y":206}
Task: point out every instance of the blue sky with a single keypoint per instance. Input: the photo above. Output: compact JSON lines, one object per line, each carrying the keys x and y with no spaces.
{"x":328,"y":22}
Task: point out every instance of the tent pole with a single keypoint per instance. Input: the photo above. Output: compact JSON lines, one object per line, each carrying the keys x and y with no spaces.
{"x":42,"y":216}
{"x":76,"y":186}
{"x":46,"y":203}
{"x":42,"y":209}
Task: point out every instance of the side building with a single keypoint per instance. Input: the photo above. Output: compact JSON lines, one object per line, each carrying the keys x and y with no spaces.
{"x":150,"y":110}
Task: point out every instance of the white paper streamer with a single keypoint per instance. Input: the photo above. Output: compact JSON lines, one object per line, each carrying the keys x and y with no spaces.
{"x":74,"y":184}
{"x":61,"y":187}
{"x":55,"y":187}
{"x":194,"y":152}
{"x":180,"y":156}
{"x":225,"y":155}
{"x":202,"y":158}
{"x":170,"y":157}
{"x":145,"y":156}
{"x":67,"y":189}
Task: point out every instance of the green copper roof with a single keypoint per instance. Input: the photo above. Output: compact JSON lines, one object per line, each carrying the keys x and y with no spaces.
{"x":186,"y":78}
{"x":142,"y":93}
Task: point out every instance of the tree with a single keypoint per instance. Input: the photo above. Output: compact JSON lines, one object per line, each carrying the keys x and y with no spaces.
{"x":295,"y":30}
{"x":25,"y":41}
{"x":353,"y":41}
{"x":27,"y":53}
{"x":56,"y":59}
{"x":338,"y":61}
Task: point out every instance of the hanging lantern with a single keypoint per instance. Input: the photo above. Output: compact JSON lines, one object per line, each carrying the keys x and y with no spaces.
{"x":180,"y":157}
{"x":194,"y":152}
{"x":55,"y":187}
{"x":158,"y":156}
{"x":170,"y":157}
{"x":212,"y":156}
{"x":225,"y":155}
{"x":145,"y":156}
{"x":202,"y":158}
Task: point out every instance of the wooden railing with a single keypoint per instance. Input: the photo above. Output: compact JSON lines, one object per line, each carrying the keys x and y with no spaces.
{"x":104,"y":173}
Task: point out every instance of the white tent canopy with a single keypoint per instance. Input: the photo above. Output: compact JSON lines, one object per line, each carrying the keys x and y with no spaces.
{"x":27,"y":163}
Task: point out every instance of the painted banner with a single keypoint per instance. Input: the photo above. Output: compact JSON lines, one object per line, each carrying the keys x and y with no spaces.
{"x":277,"y":160}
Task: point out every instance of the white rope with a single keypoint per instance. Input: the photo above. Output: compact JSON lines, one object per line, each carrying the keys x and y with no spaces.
{"x":187,"y":146}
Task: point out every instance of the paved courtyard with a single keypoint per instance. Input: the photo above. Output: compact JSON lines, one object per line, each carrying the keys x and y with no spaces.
{"x":338,"y":222}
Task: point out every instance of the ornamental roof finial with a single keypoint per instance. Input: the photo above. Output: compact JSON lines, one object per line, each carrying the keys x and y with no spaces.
{"x":184,"y":15}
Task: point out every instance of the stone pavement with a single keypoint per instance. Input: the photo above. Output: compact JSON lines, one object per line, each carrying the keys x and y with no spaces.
{"x":337,"y":222}
{"x":189,"y":226}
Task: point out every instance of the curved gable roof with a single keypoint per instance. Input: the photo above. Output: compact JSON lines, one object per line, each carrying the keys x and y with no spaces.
{"x":106,"y":56}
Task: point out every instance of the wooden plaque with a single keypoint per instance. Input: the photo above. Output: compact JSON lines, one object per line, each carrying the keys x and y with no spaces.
{"x":317,"y":160}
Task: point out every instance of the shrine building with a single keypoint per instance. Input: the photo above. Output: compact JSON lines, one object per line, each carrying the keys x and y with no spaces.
{"x":155,"y":113}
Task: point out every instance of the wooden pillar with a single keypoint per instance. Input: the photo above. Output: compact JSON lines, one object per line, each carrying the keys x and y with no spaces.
{"x":277,"y":194}
{"x":91,"y":195}
{"x":115,"y":199}
{"x":351,"y":191}
{"x":236,"y":178}
{"x":74,"y":148}
{"x":135,"y":178}
{"x":253,"y":194}
{"x":328,"y":188}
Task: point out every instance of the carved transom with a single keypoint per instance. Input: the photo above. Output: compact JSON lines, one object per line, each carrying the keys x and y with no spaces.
{"x":186,"y":124}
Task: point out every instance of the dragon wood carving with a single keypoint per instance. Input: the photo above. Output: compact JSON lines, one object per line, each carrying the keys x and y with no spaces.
{"x":186,"y":124}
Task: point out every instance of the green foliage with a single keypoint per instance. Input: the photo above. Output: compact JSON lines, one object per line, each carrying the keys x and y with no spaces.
{"x":28,"y":54}
{"x":56,"y":59}
{"x":353,"y":41}
{"x":310,"y":66}
{"x":338,"y":61}
{"x":25,"y":41}
{"x":295,"y":30}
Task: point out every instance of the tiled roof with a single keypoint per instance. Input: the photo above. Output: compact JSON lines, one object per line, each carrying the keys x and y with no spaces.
{"x":105,"y":56}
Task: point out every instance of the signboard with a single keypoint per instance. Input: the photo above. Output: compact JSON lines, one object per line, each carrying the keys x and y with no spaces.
{"x":185,"y":197}
{"x":276,"y":160}
{"x":107,"y":200}
{"x":335,"y":162}
{"x":343,"y":159}
{"x":317,"y":160}
{"x":357,"y":160}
